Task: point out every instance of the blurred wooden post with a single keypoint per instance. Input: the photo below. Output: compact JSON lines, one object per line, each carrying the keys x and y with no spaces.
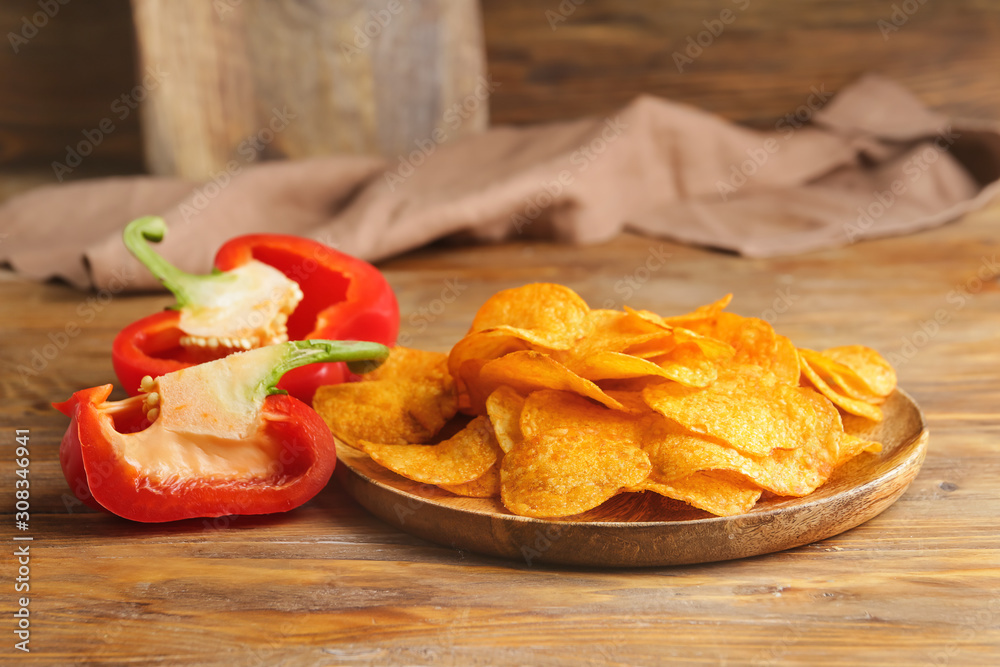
{"x":248,"y":79}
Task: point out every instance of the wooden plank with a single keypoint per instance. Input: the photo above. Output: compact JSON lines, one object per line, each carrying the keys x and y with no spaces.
{"x":564,"y":59}
{"x":64,"y":68}
{"x":765,"y":64}
{"x":258,"y":80}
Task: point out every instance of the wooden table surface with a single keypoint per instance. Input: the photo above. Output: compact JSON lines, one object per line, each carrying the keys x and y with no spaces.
{"x":329,"y":584}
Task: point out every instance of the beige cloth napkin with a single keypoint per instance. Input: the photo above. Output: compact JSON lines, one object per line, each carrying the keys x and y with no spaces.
{"x":871,"y":161}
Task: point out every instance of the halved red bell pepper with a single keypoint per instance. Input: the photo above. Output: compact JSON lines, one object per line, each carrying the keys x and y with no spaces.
{"x":211,"y":440}
{"x":266,"y":288}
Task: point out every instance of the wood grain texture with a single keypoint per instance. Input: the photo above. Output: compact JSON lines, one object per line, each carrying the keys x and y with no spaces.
{"x":751,"y":61}
{"x":330,"y":584}
{"x":554,"y":59}
{"x":61,"y":70}
{"x":259,"y":79}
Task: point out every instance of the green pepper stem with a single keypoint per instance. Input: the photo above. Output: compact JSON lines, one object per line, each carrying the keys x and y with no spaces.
{"x":360,"y":356}
{"x":136,"y":236}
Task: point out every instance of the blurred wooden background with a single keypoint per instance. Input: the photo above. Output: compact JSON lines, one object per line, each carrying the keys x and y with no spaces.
{"x":552,"y":59}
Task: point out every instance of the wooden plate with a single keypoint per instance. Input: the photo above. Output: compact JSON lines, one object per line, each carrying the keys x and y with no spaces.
{"x":645,"y":529}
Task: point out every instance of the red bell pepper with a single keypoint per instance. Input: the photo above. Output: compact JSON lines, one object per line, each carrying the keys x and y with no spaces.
{"x":211,"y":440}
{"x":266,"y":288}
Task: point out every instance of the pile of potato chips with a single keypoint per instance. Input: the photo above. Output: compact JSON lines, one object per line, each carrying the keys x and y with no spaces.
{"x":566,"y":406}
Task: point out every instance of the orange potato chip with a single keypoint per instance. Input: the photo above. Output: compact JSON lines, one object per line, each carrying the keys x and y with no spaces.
{"x":553,"y":312}
{"x":406,"y":363}
{"x":676,"y":453}
{"x":671,"y":337}
{"x":852,"y":445}
{"x":504,"y":407}
{"x":871,"y":375}
{"x":629,"y":393}
{"x":479,"y":346}
{"x":618,"y":366}
{"x":700,"y":314}
{"x":548,"y":409}
{"x":563,"y":472}
{"x":746,"y":407}
{"x":391,"y":411}
{"x":528,"y":370}
{"x":616,"y":331}
{"x":755,"y":342}
{"x":486,"y":485}
{"x":409,"y":398}
{"x":534,"y":338}
{"x":720,"y":493}
{"x":464,"y":457}
{"x":809,"y":362}
{"x":576,"y":405}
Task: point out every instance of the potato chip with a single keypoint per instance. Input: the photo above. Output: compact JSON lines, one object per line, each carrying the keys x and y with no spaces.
{"x":575,"y":405}
{"x":405,"y":363}
{"x":754,"y":341}
{"x":618,"y":366}
{"x":670,"y":338}
{"x":472,"y":394}
{"x":707,"y":312}
{"x":852,"y":445}
{"x":486,"y":485}
{"x":815,"y":461}
{"x":480,"y":346}
{"x":529,"y":370}
{"x":747,"y":407}
{"x":616,"y":331}
{"x":535,"y":339}
{"x":547,"y":410}
{"x":552,"y":312}
{"x":675,"y":453}
{"x":409,"y":398}
{"x":464,"y":457}
{"x":871,"y":376}
{"x":563,"y":472}
{"x":810,"y":362}
{"x":629,"y":393}
{"x":719,"y":493}
{"x":700,"y":314}
{"x":390,"y":411}
{"x":504,"y":407}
